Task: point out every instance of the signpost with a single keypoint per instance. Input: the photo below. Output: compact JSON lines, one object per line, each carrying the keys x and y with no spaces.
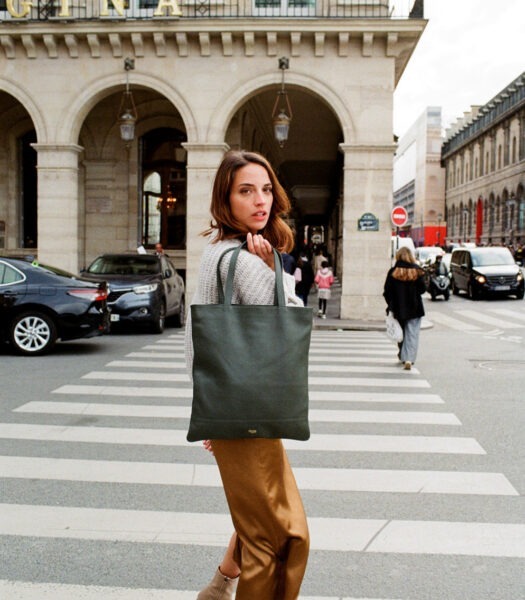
{"x":399,"y":218}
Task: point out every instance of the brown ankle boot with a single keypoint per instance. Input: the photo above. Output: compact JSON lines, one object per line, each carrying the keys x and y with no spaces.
{"x":219,"y":588}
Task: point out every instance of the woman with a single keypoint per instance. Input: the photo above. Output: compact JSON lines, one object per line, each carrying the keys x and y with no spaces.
{"x":269,"y":548}
{"x":403,"y":288}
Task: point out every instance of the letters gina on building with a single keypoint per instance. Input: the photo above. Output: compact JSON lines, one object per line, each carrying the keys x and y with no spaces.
{"x":106,"y":8}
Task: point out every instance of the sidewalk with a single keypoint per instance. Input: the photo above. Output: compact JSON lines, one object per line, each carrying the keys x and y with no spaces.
{"x":333,"y":311}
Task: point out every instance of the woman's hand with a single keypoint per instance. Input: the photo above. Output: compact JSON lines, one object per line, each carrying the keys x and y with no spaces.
{"x":262,"y":248}
{"x":207,"y":445}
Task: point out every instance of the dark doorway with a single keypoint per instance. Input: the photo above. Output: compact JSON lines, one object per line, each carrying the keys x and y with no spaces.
{"x":28,"y":190}
{"x":164,"y":188}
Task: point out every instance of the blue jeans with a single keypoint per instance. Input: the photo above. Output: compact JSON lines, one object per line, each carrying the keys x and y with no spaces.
{"x":409,"y":345}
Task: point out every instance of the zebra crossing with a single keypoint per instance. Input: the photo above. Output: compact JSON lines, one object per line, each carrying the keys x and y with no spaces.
{"x":489,"y":320}
{"x":372,"y":426}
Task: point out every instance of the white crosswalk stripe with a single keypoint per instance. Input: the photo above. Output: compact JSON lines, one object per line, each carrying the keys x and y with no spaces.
{"x":372,"y":480}
{"x":471,"y":320}
{"x":140,"y":401}
{"x":209,"y":529}
{"x":19,"y":590}
{"x":147,"y":411}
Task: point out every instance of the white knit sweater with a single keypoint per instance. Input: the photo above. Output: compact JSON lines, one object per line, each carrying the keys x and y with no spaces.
{"x":253,"y":283}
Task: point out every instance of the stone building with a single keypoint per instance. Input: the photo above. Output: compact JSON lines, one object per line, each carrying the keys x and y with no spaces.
{"x":419,"y":179}
{"x":195,"y":78}
{"x":484,"y":159}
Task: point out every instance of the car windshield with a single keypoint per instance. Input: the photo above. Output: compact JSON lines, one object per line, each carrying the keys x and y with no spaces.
{"x":125,"y":265}
{"x":492,"y":257}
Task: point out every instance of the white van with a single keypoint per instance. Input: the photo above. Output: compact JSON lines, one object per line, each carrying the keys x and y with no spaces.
{"x":396,"y":242}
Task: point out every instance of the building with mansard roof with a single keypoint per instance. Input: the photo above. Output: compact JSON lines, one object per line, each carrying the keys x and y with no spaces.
{"x":484,"y":160}
{"x":114,"y":116}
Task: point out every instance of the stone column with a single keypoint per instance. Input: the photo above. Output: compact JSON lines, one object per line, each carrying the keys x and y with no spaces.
{"x":202,"y":163}
{"x":58,"y":235}
{"x":367,"y":189}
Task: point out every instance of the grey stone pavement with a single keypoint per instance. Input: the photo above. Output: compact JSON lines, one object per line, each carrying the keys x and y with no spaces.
{"x":333,"y":320}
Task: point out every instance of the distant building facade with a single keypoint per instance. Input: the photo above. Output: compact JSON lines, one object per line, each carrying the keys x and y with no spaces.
{"x":419,"y":179}
{"x":484,"y":159}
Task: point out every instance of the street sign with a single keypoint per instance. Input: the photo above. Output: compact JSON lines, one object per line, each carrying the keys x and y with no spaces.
{"x":399,"y":216}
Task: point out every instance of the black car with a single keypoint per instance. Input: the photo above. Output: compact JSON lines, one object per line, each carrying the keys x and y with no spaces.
{"x":143,"y":288}
{"x":40,"y":304}
{"x":486,"y":271}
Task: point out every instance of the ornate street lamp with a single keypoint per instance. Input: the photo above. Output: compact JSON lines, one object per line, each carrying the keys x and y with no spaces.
{"x":127,"y":111}
{"x":281,"y":119}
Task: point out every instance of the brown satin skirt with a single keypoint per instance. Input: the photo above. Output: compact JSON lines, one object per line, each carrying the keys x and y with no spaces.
{"x":268,"y":516}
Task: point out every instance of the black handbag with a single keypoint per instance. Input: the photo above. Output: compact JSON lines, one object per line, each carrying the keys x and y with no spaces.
{"x":250,"y":365}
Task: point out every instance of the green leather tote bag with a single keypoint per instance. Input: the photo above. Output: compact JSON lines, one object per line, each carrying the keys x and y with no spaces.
{"x":250,"y":365}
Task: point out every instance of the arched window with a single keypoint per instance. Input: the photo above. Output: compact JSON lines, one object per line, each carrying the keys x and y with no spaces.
{"x":513,"y":151}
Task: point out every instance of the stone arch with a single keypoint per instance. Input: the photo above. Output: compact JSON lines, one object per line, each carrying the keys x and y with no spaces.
{"x":232,"y":101}
{"x":101,"y":88}
{"x":27,"y":101}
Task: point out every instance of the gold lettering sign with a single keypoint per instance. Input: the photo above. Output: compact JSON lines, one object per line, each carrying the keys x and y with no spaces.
{"x":64,"y":9}
{"x":26,"y":7}
{"x":117,"y":4}
{"x":164,"y":8}
{"x":171,"y":6}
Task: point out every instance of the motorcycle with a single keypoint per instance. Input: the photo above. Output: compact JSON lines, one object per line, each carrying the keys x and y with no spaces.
{"x":438,"y":284}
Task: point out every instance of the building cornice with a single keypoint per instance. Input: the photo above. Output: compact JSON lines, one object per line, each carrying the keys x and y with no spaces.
{"x":393,"y":38}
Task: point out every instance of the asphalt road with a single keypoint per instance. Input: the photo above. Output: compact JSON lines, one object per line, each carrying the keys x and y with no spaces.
{"x":413,"y":482}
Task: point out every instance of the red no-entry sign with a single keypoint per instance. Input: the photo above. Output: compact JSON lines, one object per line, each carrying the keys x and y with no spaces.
{"x":399,"y":216}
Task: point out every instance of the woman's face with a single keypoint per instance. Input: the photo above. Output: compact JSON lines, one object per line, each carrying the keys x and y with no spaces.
{"x":251,"y":197}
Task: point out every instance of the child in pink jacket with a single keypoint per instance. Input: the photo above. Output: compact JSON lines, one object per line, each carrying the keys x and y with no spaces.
{"x":324,"y":279}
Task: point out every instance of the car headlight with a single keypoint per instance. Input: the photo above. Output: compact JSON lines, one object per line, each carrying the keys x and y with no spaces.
{"x":519,"y":276}
{"x":145,"y":289}
{"x":481,"y":279}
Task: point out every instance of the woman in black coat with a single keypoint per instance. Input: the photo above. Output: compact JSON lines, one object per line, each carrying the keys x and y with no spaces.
{"x":403,"y":288}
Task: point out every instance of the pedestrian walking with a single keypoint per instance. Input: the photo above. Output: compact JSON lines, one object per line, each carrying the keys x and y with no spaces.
{"x":404,"y":286}
{"x":324,"y":279}
{"x":319,"y":258}
{"x":306,"y":281}
{"x":268,"y":551}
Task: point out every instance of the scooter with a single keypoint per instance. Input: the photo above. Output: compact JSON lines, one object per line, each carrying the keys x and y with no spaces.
{"x":438,"y":285}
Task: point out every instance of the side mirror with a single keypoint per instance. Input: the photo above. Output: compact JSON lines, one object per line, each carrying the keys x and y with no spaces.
{"x":167,"y":273}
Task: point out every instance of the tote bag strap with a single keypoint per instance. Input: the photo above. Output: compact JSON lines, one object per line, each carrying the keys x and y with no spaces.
{"x":226,"y":293}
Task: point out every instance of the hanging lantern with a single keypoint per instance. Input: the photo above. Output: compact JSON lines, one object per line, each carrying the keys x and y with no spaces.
{"x":280,"y":117}
{"x":127,"y":111}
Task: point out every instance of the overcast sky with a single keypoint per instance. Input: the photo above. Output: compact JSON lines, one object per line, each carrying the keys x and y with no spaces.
{"x":469,"y":51}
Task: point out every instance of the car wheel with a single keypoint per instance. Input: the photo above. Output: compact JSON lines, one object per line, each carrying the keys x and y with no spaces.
{"x":455,"y":289}
{"x":446,"y":294}
{"x":160,"y":321}
{"x":472,"y":294}
{"x":520,"y":294}
{"x":32,"y":333}
{"x":180,"y":318}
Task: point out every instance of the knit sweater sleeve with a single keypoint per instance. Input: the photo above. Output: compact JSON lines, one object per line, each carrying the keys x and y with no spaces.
{"x":253,"y":283}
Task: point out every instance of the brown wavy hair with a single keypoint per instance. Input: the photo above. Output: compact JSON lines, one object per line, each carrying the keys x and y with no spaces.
{"x":410,"y":271}
{"x":276,"y":231}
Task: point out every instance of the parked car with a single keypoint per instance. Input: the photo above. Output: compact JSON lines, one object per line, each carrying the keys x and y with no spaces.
{"x":143,"y":288}
{"x":482,"y":271}
{"x":40,"y":304}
